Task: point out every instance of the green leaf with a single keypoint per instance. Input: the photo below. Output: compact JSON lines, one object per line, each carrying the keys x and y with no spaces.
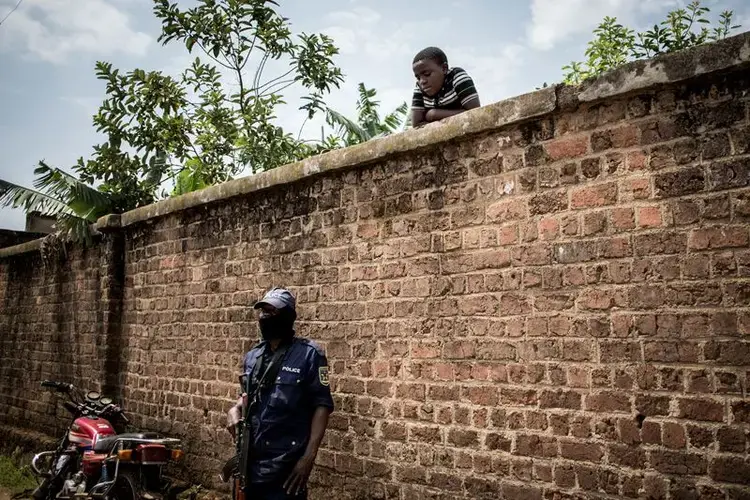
{"x":15,"y":196}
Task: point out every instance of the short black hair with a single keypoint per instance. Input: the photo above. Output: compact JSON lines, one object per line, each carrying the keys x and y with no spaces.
{"x":432,"y":53}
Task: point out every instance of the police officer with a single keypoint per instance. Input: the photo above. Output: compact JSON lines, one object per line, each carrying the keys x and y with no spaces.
{"x":292,"y":415}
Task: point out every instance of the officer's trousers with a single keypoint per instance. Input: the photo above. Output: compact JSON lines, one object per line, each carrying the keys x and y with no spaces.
{"x":271,"y":491}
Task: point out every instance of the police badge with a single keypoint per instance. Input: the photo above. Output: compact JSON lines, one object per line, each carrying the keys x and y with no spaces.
{"x":323,"y":375}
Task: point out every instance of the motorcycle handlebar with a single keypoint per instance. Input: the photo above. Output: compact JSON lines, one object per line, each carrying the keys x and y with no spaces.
{"x":123,"y":417}
{"x":60,"y":386}
{"x":71,"y":407}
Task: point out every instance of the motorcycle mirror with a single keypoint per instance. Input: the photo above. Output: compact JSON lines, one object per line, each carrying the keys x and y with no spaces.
{"x":93,"y":396}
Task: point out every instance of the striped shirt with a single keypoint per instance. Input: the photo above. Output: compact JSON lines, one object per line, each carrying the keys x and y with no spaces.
{"x":458,"y":89}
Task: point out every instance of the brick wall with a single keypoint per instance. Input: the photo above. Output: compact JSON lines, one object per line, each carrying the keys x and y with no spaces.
{"x":9,"y":237}
{"x":557,"y":308}
{"x":51,"y":327}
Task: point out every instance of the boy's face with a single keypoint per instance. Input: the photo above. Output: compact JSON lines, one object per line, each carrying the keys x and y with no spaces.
{"x":430,"y":75}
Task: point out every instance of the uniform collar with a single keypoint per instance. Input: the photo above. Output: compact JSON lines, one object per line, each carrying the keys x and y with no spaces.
{"x":266,"y":346}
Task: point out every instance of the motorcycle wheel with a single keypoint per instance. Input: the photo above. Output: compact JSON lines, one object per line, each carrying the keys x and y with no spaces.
{"x":124,"y":489}
{"x":51,"y":486}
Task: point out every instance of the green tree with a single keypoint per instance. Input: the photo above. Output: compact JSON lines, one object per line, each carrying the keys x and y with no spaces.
{"x":614,"y":44}
{"x":368,"y":124}
{"x":59,"y":194}
{"x":217,"y":119}
{"x":213,"y":121}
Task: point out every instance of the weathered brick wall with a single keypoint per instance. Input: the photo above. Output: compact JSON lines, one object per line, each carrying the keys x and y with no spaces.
{"x":10,"y":238}
{"x":51,"y":327}
{"x":558,"y":308}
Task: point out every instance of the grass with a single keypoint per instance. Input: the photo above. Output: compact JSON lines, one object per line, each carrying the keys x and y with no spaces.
{"x":14,"y":478}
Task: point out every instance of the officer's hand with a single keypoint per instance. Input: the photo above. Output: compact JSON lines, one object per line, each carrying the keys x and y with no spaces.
{"x":297,"y":480}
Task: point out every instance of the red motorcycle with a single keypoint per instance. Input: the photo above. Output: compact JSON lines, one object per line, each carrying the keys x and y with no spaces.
{"x":92,"y":461}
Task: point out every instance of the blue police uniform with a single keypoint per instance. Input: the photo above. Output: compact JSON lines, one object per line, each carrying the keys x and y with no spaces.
{"x":281,"y":421}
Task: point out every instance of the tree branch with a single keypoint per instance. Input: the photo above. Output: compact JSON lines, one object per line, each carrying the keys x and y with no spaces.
{"x":259,"y":72}
{"x":299,"y":135}
{"x":286,"y":84}
{"x":269,"y":82}
{"x":250,"y":51}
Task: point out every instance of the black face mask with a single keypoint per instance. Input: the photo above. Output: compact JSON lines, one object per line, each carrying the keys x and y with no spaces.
{"x":277,"y":327}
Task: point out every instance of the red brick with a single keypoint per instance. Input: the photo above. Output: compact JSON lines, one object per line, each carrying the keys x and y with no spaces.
{"x":678,"y":462}
{"x":549,"y":228}
{"x":379,"y":388}
{"x":623,"y":218}
{"x":506,"y":210}
{"x":636,"y":160}
{"x":594,"y":223}
{"x":480,"y":395}
{"x":393,"y":431}
{"x":463,"y":438}
{"x":673,"y":435}
{"x":651,"y":432}
{"x":608,"y":402}
{"x":701,"y":409}
{"x":564,"y":476}
{"x":511,"y":491}
{"x":424,"y":434}
{"x":508,"y":235}
{"x":629,"y":431}
{"x":649,"y":217}
{"x":534,"y":445}
{"x":627,"y":456}
{"x":459,"y":349}
{"x":446,"y":482}
{"x":560,"y":399}
{"x":741,"y":411}
{"x":495,"y":441}
{"x":594,"y":196}
{"x":411,"y":474}
{"x":425,"y":350}
{"x":652,"y":405}
{"x":635,"y":189}
{"x":568,"y":147}
{"x":581,"y":451}
{"x":731,"y":439}
{"x":719,"y":237}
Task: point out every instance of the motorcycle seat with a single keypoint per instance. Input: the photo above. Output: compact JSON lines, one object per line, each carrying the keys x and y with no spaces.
{"x":105,"y":444}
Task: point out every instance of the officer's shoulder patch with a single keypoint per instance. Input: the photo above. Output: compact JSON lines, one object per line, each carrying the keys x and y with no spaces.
{"x":323,"y":375}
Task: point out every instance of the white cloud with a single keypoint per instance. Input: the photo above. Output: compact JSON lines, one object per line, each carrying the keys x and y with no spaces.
{"x":553,"y":21}
{"x":87,"y":104}
{"x":492,"y":70}
{"x":55,"y":30}
{"x":362,"y":31}
{"x":743,"y":20}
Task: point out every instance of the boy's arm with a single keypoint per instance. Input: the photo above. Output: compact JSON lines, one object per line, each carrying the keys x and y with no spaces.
{"x":467,"y":93}
{"x":434,"y":115}
{"x":418,"y":110}
{"x":418,"y":117}
{"x":438,"y":114}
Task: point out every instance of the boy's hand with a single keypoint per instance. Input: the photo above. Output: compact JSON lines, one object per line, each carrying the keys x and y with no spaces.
{"x":430,"y":115}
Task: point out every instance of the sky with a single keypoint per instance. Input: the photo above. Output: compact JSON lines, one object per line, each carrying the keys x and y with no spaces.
{"x":48,"y":48}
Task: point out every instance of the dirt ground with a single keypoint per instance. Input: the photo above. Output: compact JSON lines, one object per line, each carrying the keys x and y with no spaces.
{"x":4,"y":494}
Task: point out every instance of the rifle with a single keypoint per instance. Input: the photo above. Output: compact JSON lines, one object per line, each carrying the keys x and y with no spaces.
{"x":237,"y":467}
